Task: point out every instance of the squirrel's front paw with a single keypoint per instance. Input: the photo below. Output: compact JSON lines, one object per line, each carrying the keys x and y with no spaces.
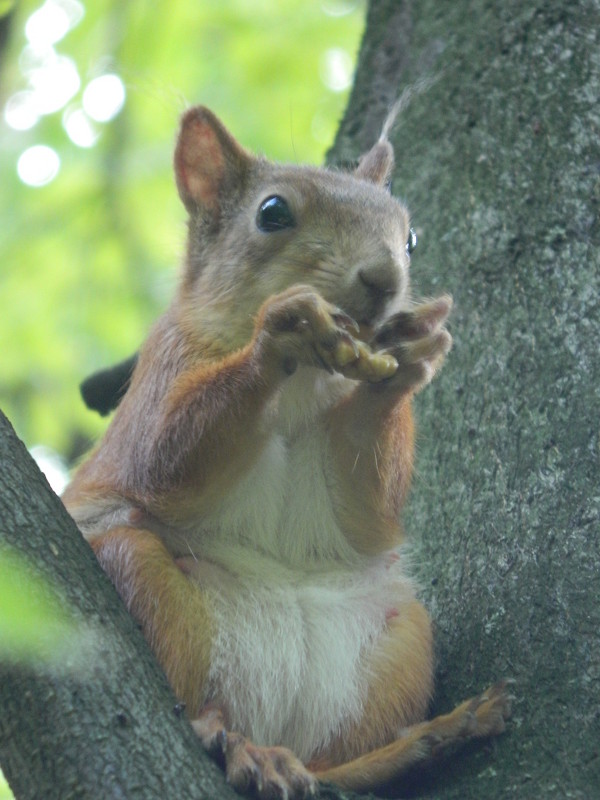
{"x":305,"y":329}
{"x":418,"y":341}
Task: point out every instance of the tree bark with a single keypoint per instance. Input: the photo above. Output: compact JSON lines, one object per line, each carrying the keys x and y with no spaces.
{"x":110,"y":730}
{"x":499,"y":162}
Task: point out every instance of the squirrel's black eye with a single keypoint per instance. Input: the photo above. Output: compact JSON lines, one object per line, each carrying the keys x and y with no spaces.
{"x":411,"y":242}
{"x":274,"y":215}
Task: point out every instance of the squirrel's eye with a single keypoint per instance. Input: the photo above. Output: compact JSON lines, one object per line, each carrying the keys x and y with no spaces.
{"x":274,"y":215}
{"x":411,"y":242}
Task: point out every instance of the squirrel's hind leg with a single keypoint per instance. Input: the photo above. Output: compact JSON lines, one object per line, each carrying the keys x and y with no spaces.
{"x":391,"y":737}
{"x":266,"y":772}
{"x":482,"y":716}
{"x":399,"y":672}
{"x":174,"y":612}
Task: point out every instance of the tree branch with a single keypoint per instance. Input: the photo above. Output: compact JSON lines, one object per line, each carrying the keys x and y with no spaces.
{"x":107,"y":731}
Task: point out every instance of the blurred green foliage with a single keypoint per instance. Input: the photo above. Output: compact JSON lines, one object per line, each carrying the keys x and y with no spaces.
{"x":5,"y":793}
{"x":36,"y":627}
{"x":89,"y":259}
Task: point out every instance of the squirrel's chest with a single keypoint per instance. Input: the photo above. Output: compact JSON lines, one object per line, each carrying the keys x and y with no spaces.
{"x":283,"y":504}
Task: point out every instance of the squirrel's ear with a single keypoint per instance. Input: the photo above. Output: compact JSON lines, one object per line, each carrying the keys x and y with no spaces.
{"x":376,"y":165}
{"x":208,"y":160}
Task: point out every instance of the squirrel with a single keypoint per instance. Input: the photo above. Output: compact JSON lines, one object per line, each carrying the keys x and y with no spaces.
{"x":245,"y":498}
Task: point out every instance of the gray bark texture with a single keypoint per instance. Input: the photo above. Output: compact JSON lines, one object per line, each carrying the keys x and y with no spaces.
{"x":499,"y":162}
{"x":109,"y":730}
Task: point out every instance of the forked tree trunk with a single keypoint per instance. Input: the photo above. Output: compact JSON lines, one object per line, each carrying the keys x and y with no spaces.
{"x":500,"y":164}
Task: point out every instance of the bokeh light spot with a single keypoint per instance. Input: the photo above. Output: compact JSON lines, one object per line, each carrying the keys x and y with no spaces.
{"x":38,"y":165}
{"x":104,"y":97}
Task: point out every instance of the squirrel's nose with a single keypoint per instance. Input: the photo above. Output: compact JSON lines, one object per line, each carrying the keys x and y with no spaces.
{"x":380,"y":279}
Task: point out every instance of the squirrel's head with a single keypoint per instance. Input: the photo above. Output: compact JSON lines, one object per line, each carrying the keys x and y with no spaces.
{"x":257,"y":227}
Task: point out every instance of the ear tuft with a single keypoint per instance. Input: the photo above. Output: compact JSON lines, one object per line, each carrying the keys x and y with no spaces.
{"x":376,"y":165}
{"x":208,"y":160}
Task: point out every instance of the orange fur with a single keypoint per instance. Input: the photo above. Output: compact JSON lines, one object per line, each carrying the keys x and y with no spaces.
{"x":173,"y":612}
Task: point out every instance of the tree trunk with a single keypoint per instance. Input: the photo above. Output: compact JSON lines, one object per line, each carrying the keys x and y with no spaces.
{"x":499,"y":163}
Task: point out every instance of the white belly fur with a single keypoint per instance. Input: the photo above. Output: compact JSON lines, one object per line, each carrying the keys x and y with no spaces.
{"x":288,"y":657}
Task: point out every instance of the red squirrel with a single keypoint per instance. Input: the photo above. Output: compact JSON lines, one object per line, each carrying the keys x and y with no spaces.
{"x":246,"y":495}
